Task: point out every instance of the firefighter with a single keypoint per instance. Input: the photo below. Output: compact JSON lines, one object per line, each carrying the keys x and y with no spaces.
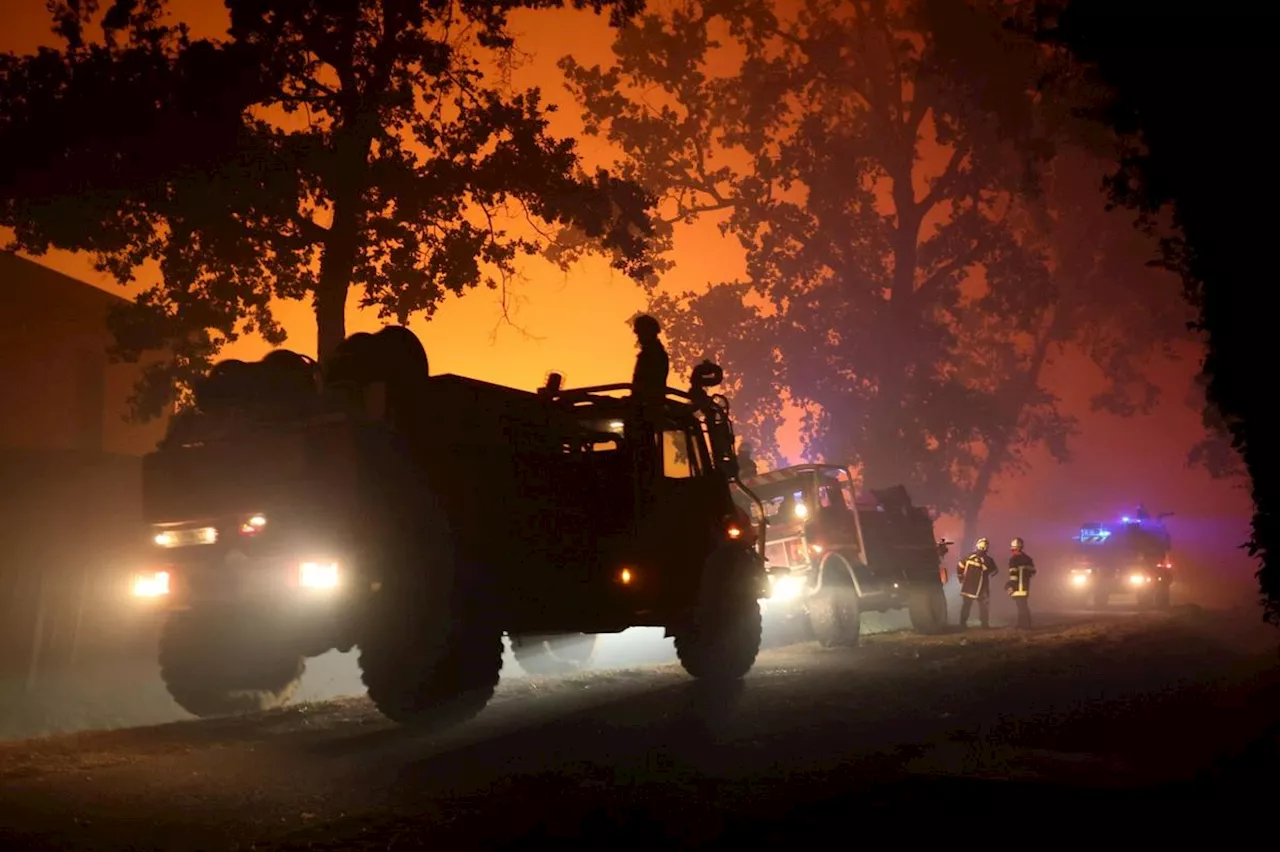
{"x":746,"y":462}
{"x":974,"y":573}
{"x":649,"y":390}
{"x":1021,"y":569}
{"x":649,"y":381}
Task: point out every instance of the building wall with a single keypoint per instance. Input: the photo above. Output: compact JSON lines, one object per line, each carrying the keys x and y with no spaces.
{"x":70,"y":507}
{"x":57,"y":389}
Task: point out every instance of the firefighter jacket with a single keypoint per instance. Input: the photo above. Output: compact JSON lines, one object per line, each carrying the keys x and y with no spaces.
{"x":1021,"y":569}
{"x":975,"y":574}
{"x":649,"y":382}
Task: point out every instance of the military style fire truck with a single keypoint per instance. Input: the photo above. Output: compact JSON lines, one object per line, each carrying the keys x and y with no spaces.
{"x":834,"y":552}
{"x":421,"y":517}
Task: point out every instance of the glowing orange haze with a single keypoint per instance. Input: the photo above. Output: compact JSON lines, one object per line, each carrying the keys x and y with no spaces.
{"x":577,"y":322}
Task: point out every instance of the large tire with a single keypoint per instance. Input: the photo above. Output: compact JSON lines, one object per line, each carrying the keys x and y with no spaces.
{"x":721,"y":640}
{"x":927,"y":607}
{"x":1100,"y":598}
{"x":212,"y":665}
{"x":1162,"y":596}
{"x":554,"y":655}
{"x":835,"y":613}
{"x":422,"y":666}
{"x":430,"y":646}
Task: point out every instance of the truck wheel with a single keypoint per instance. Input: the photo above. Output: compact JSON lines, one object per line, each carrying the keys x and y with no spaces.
{"x":212,"y":667}
{"x":430,"y":649}
{"x":554,"y":655}
{"x":1162,"y":596}
{"x":928,"y":609}
{"x":423,"y":666}
{"x":835,"y":614}
{"x":1100,"y":599}
{"x":722,"y":639}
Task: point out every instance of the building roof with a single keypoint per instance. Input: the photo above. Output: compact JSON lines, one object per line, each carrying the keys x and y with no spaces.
{"x":27,"y":284}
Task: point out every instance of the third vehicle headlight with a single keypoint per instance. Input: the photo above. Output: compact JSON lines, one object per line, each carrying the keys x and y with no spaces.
{"x":786,"y":588}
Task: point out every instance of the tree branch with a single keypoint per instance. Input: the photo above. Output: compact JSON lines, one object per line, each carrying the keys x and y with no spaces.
{"x":944,"y":182}
{"x":930,"y":285}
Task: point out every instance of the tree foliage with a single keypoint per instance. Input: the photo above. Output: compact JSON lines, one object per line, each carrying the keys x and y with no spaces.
{"x":879,"y":164}
{"x":323,"y":146}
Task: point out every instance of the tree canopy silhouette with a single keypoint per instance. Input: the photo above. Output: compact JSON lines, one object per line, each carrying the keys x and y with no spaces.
{"x":323,"y":146}
{"x":906,"y":276}
{"x":1176,"y":90}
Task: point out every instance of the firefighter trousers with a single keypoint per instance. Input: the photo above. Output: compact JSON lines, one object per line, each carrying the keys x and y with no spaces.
{"x":1023,"y":603}
{"x":984,"y":610}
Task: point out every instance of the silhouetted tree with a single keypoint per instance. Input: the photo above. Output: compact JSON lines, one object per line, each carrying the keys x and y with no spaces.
{"x":322,"y":146}
{"x":1180,"y":77}
{"x":821,"y":120}
{"x":912,"y":321}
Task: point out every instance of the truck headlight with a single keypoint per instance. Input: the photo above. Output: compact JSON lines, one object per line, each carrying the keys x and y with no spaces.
{"x":786,"y":588}
{"x":1079,"y":579}
{"x":318,"y":575}
{"x":154,"y":584}
{"x":1138,"y":579}
{"x":185,"y":538}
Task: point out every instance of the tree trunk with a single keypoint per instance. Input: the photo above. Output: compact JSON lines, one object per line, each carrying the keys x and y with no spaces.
{"x":336,"y":265}
{"x":883,"y":456}
{"x":998,"y":448}
{"x":331,"y":320}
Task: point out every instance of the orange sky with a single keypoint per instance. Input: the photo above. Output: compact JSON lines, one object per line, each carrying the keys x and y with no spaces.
{"x":578,"y":325}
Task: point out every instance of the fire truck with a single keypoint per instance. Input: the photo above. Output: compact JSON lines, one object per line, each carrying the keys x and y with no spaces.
{"x":834,"y":552}
{"x":1129,"y":558}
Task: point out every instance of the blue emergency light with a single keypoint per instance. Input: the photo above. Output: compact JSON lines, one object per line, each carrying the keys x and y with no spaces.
{"x":1093,"y":534}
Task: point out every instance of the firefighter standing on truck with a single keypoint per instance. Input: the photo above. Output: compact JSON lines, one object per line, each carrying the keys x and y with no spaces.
{"x":649,"y":390}
{"x":1021,"y":569}
{"x":974,"y":573}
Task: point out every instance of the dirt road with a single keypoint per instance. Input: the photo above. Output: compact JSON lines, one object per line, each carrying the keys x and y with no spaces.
{"x":1104,"y":702}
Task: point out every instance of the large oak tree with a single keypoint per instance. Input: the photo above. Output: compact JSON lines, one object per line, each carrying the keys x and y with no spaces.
{"x":878,"y":163}
{"x":322,"y":147}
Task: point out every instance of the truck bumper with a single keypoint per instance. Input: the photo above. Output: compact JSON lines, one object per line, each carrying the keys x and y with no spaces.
{"x":313,"y":601}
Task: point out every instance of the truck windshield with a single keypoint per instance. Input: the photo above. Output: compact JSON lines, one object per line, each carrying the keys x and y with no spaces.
{"x":679,"y":458}
{"x":833,"y":494}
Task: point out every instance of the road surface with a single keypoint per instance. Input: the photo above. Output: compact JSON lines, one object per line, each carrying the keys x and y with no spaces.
{"x":633,"y":758}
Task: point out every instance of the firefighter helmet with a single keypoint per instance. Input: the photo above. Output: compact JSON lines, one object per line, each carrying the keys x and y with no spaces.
{"x":982,"y":544}
{"x":1016,"y":544}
